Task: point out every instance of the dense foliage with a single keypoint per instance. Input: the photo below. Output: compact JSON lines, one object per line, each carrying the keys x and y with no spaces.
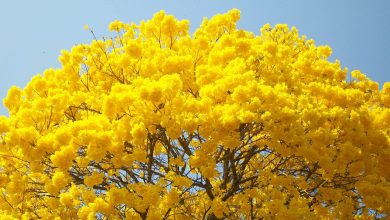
{"x":154,"y":123}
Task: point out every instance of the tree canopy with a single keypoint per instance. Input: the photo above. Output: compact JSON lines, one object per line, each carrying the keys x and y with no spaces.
{"x":158,"y":123}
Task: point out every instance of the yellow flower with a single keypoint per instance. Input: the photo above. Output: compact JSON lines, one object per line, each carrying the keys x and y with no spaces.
{"x":13,"y":98}
{"x":66,"y":199}
{"x":59,"y":180}
{"x":4,"y":124}
{"x":94,"y":179}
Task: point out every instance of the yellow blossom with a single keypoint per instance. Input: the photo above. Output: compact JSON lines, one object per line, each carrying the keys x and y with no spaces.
{"x":158,"y":123}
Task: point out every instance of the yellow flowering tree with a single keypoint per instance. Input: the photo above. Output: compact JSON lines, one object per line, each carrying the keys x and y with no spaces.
{"x":155,"y":123}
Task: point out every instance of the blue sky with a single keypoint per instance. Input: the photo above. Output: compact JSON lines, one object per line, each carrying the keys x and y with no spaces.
{"x":33,"y":32}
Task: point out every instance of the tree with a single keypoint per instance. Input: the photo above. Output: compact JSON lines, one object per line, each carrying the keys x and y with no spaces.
{"x":156,"y":124}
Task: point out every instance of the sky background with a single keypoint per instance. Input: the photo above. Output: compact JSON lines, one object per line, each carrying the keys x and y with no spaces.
{"x":34,"y":32}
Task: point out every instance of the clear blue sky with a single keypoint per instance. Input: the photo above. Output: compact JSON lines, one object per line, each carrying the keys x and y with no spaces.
{"x":33,"y":32}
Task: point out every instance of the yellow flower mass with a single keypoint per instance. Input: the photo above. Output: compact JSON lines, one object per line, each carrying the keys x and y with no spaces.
{"x":158,"y":123}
